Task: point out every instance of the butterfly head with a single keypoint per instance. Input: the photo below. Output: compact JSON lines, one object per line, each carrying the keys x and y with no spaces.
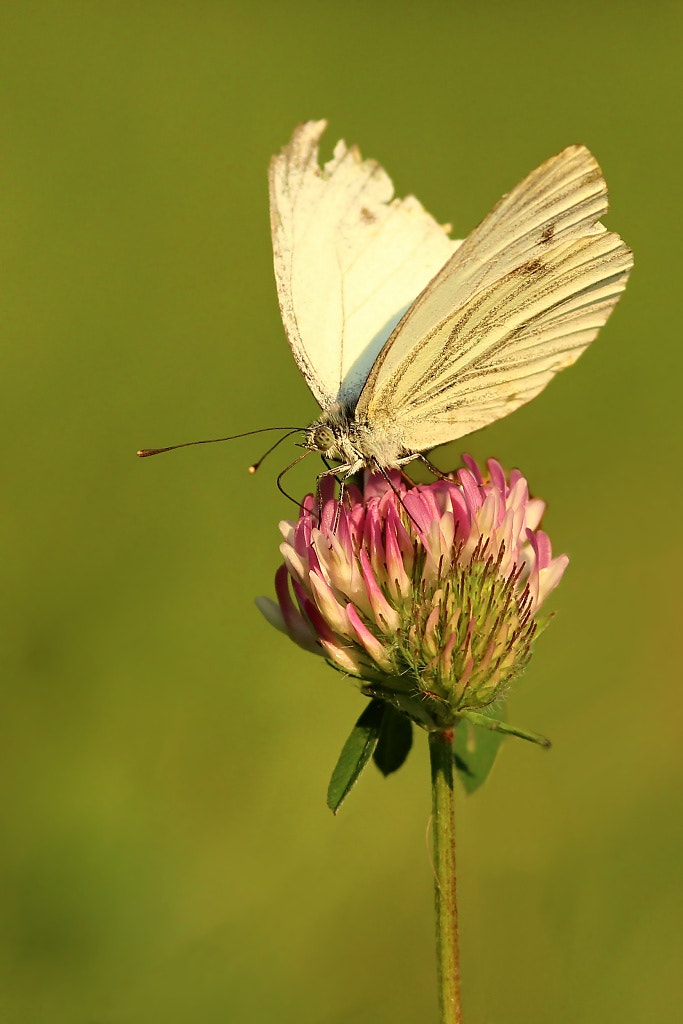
{"x":339,"y":436}
{"x":335,"y":436}
{"x":321,"y":438}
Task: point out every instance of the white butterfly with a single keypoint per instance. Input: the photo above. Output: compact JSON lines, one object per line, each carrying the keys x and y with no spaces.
{"x":409,"y":339}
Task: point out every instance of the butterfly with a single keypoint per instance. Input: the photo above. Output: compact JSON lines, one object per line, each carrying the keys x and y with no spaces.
{"x":409,"y":339}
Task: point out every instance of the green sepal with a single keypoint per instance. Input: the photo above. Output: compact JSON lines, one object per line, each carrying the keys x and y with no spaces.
{"x":395,"y":741}
{"x":475,"y":749}
{"x":355,"y":754}
{"x":496,"y":725}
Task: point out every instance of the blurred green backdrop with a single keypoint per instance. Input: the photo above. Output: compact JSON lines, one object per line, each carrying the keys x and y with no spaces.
{"x":167,"y":855}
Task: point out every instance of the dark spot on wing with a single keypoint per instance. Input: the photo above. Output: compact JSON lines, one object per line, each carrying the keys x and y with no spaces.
{"x":548,"y":233}
{"x":367,"y":216}
{"x":530,"y":268}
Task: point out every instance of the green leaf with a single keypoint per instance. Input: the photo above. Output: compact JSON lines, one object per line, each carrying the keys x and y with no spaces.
{"x":475,"y":749}
{"x":355,"y":754}
{"x":395,"y":741}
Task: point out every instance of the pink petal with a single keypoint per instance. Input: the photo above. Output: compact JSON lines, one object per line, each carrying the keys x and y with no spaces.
{"x":371,"y":644}
{"x":470,"y":489}
{"x":398,"y":581}
{"x":473,"y":467}
{"x":375,"y":486}
{"x":534,"y":512}
{"x":447,"y":654}
{"x":550,"y":577}
{"x":294,"y":563}
{"x":403,"y":538}
{"x":297,"y":627}
{"x":375,"y":545}
{"x":497,"y":475}
{"x":429,"y":637}
{"x":544,"y":551}
{"x":332,"y":611}
{"x":386,"y":617}
{"x":271,"y":611}
{"x":344,"y":657}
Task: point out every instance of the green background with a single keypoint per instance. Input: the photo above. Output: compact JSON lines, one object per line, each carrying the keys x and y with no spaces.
{"x":166,"y":851}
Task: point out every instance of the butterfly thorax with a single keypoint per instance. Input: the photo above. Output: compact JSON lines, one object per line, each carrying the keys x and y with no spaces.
{"x":337,"y":435}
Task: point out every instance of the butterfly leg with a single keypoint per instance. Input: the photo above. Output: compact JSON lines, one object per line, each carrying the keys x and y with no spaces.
{"x":340,"y":473}
{"x":329,"y":471}
{"x":342,"y":493}
{"x":388,"y":479}
{"x":409,"y":480}
{"x":432,"y":468}
{"x":404,"y":462}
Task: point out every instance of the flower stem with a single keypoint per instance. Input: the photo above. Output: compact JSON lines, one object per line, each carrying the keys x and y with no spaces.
{"x":443,"y":823}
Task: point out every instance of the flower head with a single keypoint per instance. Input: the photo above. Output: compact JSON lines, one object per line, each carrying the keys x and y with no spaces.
{"x":427,"y":593}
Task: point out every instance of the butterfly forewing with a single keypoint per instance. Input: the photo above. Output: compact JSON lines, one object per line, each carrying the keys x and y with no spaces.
{"x":349,"y":260}
{"x":520,"y":299}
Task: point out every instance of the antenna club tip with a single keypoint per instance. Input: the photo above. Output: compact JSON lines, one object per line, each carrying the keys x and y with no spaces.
{"x":252,"y":469}
{"x":144,"y":453}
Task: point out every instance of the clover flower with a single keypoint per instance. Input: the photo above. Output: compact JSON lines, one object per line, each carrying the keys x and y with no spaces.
{"x":428,"y":593}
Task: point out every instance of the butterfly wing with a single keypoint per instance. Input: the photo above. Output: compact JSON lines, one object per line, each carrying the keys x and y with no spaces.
{"x":521,"y":298}
{"x":349,"y":260}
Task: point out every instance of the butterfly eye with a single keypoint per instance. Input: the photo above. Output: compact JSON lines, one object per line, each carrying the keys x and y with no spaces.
{"x":321,"y":438}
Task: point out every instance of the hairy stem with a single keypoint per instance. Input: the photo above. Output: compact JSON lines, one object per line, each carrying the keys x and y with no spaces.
{"x":448,"y":966}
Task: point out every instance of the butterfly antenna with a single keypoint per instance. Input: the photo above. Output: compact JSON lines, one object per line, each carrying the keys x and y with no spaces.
{"x":286,"y":470}
{"x":144,"y":453}
{"x":294,"y":430}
